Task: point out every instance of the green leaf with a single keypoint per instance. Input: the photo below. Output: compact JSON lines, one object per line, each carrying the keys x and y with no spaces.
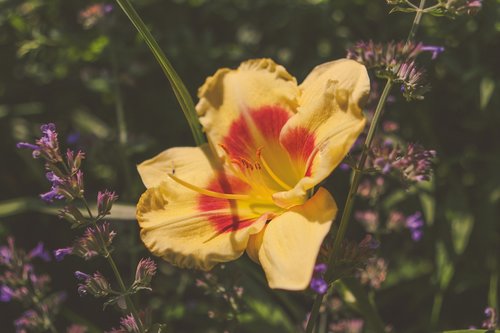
{"x":486,"y":89}
{"x":461,"y":221}
{"x":427,"y":200}
{"x":402,"y":10}
{"x":23,"y":205}
{"x":180,"y":91}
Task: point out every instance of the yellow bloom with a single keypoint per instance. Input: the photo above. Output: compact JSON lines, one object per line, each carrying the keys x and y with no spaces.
{"x":271,"y":142}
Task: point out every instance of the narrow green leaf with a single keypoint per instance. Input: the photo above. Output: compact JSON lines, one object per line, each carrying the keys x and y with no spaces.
{"x":180,"y":91}
{"x":23,"y":205}
{"x":486,"y":89}
{"x":402,"y":9}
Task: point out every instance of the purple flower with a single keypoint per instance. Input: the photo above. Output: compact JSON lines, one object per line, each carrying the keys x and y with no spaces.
{"x":6,"y":293}
{"x":47,"y":146}
{"x":129,"y":323}
{"x":95,"y":284}
{"x":435,"y":50}
{"x":81,"y":276}
{"x":491,"y":321}
{"x":59,"y":254}
{"x":415,"y":223}
{"x":146,"y":269}
{"x":90,"y":244}
{"x":105,"y":202}
{"x":318,"y":284}
{"x":40,"y":252}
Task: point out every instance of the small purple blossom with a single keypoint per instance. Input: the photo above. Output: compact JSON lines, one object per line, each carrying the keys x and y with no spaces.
{"x":129,"y":324}
{"x":90,"y":244}
{"x":435,"y":50}
{"x":40,"y":252}
{"x":491,"y":321}
{"x":81,"y":276}
{"x":95,"y":284}
{"x":415,"y":224}
{"x":105,"y":202}
{"x":6,"y":293}
{"x":318,"y":284}
{"x":59,"y":254}
{"x":146,"y":269}
{"x":416,"y":164}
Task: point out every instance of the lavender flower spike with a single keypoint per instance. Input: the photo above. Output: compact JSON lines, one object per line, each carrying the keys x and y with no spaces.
{"x":146,"y":269}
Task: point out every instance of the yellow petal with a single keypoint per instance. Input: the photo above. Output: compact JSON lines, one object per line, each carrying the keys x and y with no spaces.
{"x":292,"y":241}
{"x":230,"y":95}
{"x":184,"y":225}
{"x":328,"y":121}
{"x":181,"y":234}
{"x":191,"y":162}
{"x":254,"y":245}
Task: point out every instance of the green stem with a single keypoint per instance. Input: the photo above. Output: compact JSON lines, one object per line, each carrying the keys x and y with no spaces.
{"x":416,"y":22}
{"x":121,"y":284}
{"x":346,"y":214}
{"x":180,"y":91}
{"x":358,"y":172}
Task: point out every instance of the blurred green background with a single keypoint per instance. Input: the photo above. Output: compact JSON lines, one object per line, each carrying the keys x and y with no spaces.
{"x":56,"y":68}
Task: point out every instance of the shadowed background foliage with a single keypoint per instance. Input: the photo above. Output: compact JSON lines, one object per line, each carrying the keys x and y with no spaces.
{"x":55,"y":69}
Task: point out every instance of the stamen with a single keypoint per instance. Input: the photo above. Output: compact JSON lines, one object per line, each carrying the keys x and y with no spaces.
{"x":270,"y":172}
{"x":208,"y":192}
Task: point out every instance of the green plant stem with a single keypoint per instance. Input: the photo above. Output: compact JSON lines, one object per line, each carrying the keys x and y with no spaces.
{"x":180,"y":91}
{"x":111,"y":261}
{"x":346,"y":214}
{"x":416,"y":22}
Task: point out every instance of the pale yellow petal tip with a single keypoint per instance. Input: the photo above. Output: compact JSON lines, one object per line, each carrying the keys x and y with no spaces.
{"x":268,"y":65}
{"x":350,"y":75}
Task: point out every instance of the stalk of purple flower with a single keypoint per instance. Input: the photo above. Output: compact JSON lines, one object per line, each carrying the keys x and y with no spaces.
{"x":67,"y":183}
{"x":396,"y":61}
{"x":414,"y":164}
{"x":21,"y":283}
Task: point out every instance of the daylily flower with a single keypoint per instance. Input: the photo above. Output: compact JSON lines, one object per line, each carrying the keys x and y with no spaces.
{"x":271,"y":142}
